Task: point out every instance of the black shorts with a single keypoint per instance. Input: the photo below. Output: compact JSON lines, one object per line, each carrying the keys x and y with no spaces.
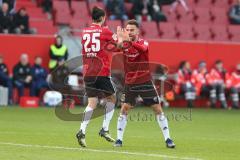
{"x":146,"y":91}
{"x":100,"y":87}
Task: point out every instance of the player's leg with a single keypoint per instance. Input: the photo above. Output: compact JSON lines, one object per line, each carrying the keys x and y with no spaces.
{"x":128,"y":101}
{"x":192,"y":91}
{"x":151,"y":98}
{"x":221,"y":94}
{"x":122,"y":123}
{"x":105,"y":86}
{"x":109,"y":111}
{"x":234,"y":97}
{"x":186,"y":89}
{"x":92,"y":94}
{"x":163,"y":124}
{"x":92,"y":103}
{"x":213,"y":95}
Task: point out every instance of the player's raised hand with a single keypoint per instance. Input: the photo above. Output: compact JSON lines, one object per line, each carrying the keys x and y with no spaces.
{"x":119,"y":34}
{"x":125,"y":35}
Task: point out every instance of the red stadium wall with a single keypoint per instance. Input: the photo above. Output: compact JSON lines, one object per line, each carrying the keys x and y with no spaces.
{"x":11,"y":47}
{"x":169,"y":53}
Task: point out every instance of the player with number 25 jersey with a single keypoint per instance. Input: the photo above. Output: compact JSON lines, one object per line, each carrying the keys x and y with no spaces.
{"x":96,"y":66}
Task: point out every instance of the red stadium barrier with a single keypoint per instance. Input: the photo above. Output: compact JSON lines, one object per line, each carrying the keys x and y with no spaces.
{"x":171,"y":53}
{"x":12,"y":46}
{"x":165,"y":52}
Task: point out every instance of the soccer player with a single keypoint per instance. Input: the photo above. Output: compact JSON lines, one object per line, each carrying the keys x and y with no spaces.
{"x":138,"y":81}
{"x":184,"y":83}
{"x":233,"y":83}
{"x":97,"y":74}
{"x":198,"y":79}
{"x":216,"y":80}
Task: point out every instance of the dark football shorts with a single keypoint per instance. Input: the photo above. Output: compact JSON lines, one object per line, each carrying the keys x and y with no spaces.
{"x":100,"y":87}
{"x":146,"y":91}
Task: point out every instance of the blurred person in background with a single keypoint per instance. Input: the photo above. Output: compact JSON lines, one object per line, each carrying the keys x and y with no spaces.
{"x":21,"y":22}
{"x":179,"y":2}
{"x":116,"y":9}
{"x":155,"y":11}
{"x":184,"y":84}
{"x":58,"y":80}
{"x":141,"y":10}
{"x":22,"y":77}
{"x":148,"y":10}
{"x":58,"y":52}
{"x":5,"y":80}
{"x":234,"y":13}
{"x":11,"y":4}
{"x":47,"y":7}
{"x":199,"y":79}
{"x":216,"y":80}
{"x":39,"y":77}
{"x":5,"y":19}
{"x":233,"y":83}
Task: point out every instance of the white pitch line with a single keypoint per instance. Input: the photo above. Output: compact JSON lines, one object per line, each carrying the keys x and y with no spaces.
{"x":97,"y":150}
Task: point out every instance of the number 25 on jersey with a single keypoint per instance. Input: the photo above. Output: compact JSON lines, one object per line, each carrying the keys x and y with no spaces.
{"x":92,"y":43}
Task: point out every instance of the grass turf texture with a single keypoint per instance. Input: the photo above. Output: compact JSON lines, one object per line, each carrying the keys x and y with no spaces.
{"x":206,"y":134}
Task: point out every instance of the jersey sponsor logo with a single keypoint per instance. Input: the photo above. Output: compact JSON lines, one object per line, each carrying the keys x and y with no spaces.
{"x":132,"y":55}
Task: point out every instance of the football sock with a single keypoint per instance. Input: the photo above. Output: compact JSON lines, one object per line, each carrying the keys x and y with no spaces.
{"x":86,"y":118}
{"x":163,"y":123}
{"x":121,"y":125}
{"x":109,"y":111}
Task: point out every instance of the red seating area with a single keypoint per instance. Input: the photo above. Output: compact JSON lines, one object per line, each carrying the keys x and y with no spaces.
{"x":37,"y":18}
{"x":207,"y":20}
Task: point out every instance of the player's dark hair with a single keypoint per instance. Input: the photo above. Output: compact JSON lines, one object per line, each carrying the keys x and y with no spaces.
{"x":133,"y":22}
{"x":218,"y":61}
{"x":97,"y":14}
{"x":182,"y":64}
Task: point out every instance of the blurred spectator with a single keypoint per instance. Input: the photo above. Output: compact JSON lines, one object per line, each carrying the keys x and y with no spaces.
{"x":11,"y":4}
{"x":184,"y":84}
{"x":47,"y":6}
{"x":234,"y":13}
{"x":216,"y":80}
{"x":22,"y":77}
{"x":166,"y":2}
{"x":5,"y":80}
{"x":116,"y":9}
{"x":39,"y":77}
{"x":155,"y":11}
{"x":58,"y":52}
{"x":59,"y":78}
{"x":234,"y":84}
{"x":141,"y":10}
{"x":5,"y":19}
{"x":182,"y":3}
{"x":148,"y":10}
{"x":199,"y":79}
{"x":21,"y":22}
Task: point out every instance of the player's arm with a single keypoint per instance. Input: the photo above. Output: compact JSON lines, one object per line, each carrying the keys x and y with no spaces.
{"x":107,"y":34}
{"x":140,"y":47}
{"x":125,"y":39}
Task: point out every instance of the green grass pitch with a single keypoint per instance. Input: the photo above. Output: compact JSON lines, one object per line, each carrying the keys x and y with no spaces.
{"x":37,"y":134}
